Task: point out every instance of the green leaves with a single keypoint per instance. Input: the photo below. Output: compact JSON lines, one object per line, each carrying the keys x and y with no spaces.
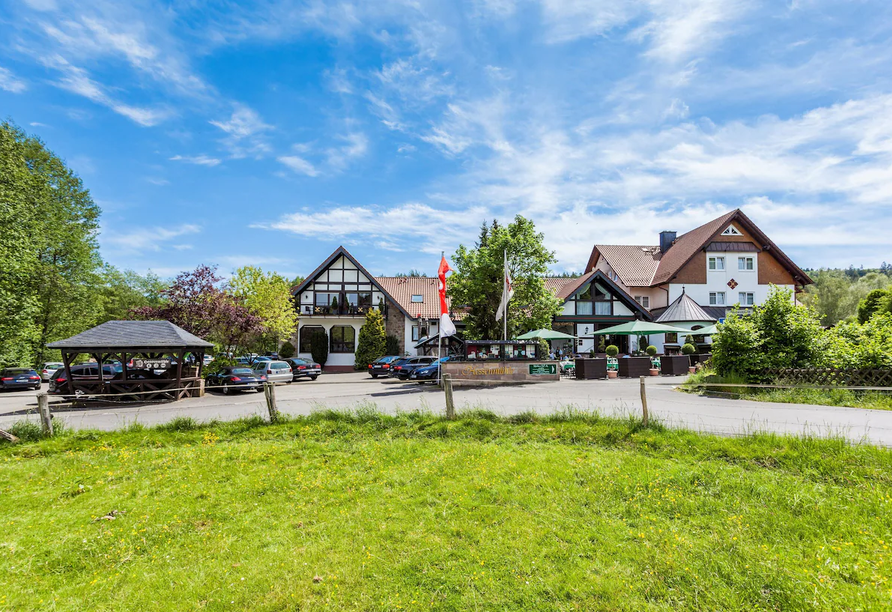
{"x":477,"y":281}
{"x":267,"y":295}
{"x":372,"y":340}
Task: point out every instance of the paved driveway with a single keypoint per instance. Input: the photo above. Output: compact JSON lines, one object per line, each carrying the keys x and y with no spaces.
{"x":609,"y":397}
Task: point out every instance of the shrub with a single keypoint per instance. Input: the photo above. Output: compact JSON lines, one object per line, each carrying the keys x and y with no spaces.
{"x":612,"y":350}
{"x":218,"y":364}
{"x":319,"y":347}
{"x":875,"y":301}
{"x":602,"y":345}
{"x":372,"y":340}
{"x":286,"y":351}
{"x":689,"y":349}
{"x":392,"y":345}
{"x":544,"y":349}
{"x":651,"y":350}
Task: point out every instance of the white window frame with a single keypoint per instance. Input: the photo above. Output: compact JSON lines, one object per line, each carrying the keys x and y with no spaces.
{"x":713,"y":263}
{"x":746,"y":264}
{"x":731,"y":231}
{"x":747,"y":298}
{"x":420,"y":299}
{"x":643,"y":301}
{"x":716,"y":298}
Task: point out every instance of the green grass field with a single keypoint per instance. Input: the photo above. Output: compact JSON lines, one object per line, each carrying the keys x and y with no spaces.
{"x":366,"y":512}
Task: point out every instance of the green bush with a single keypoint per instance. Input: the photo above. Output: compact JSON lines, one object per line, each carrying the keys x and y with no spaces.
{"x":877,"y":300}
{"x":651,"y":350}
{"x":544,"y":349}
{"x":392,"y":345}
{"x":602,"y":345}
{"x":372,"y":340}
{"x":218,"y":364}
{"x":319,"y":347}
{"x":689,"y":349}
{"x":286,"y":351}
{"x":612,"y":350}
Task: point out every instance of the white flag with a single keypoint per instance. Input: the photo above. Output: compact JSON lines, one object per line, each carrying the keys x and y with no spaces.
{"x":507,"y":292}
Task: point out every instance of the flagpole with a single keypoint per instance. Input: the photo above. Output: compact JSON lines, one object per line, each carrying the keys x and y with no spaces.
{"x":439,"y":330}
{"x":505,"y":294}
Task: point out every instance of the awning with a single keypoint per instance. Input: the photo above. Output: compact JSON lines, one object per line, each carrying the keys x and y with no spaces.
{"x":641,"y":328}
{"x":545,"y":334}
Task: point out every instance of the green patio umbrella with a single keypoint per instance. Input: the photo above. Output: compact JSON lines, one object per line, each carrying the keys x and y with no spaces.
{"x":545,"y":334}
{"x":709,"y":330}
{"x":642,"y":328}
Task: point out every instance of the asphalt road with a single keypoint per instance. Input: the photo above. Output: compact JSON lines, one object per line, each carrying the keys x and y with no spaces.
{"x":609,"y":397}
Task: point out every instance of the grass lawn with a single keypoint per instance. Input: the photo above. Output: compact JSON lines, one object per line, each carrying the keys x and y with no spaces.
{"x":367,"y":512}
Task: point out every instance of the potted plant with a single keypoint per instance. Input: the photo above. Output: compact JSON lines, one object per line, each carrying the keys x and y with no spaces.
{"x":651,"y":351}
{"x":612,"y":351}
{"x":689,"y":349}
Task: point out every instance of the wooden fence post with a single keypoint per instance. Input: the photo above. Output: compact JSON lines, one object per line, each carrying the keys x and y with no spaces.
{"x":447,"y":388}
{"x":8,"y":436}
{"x":644,"y":415}
{"x":269,"y":391}
{"x":46,"y":418}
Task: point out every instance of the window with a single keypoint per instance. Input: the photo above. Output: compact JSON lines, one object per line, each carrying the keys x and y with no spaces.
{"x":731,"y":231}
{"x":671,"y":338}
{"x":417,"y":299}
{"x":716,"y":263}
{"x":746,"y":298}
{"x":306,"y":337}
{"x":717,"y":298}
{"x":343,"y":339}
{"x":583,"y":308}
{"x":603,"y":308}
{"x":745,"y":263}
{"x":643,"y":300}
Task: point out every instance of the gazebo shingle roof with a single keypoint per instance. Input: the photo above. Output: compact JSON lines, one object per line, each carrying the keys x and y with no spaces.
{"x":132,"y":334}
{"x":684,"y":310}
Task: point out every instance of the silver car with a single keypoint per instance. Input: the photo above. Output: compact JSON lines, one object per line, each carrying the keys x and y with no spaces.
{"x":275,"y":371}
{"x":48,"y":369}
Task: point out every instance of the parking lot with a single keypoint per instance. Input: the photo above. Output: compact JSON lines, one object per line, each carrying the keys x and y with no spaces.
{"x":609,"y":397}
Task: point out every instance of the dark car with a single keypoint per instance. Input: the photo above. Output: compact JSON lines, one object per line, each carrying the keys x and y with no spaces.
{"x":414,"y":363}
{"x":397,"y":365}
{"x":85,"y":372}
{"x":428,"y":372}
{"x":19,"y":378}
{"x":303,"y":368}
{"x":235,"y":378}
{"x":381,"y":367}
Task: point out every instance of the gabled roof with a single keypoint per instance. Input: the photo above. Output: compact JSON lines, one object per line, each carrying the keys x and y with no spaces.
{"x":132,"y":334}
{"x":556,"y":283}
{"x":597,"y":275}
{"x":402,"y":288}
{"x":634,"y":264}
{"x":687,"y":245}
{"x":337,"y":253}
{"x":684,"y":310}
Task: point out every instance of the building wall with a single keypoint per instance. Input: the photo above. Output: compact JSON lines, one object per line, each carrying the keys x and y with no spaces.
{"x":336,"y":361}
{"x":771,"y":271}
{"x":395,"y":325}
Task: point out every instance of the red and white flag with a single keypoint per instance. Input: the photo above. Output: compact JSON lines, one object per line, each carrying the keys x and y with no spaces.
{"x":507,"y":292}
{"x":447,"y":327}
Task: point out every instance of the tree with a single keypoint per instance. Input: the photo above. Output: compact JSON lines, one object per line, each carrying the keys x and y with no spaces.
{"x":49,"y":254}
{"x":477,"y":281}
{"x":269,"y":297}
{"x":124,"y":291}
{"x":392,"y":345}
{"x":372,"y":342}
{"x":319,"y":347}
{"x":297,"y":280}
{"x":286,"y":351}
{"x":875,"y":301}
{"x":413,"y":273}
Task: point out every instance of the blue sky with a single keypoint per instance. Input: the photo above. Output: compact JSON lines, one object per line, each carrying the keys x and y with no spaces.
{"x":268,"y":133}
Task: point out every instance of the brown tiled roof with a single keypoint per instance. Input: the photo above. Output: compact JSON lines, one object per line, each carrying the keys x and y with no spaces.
{"x":687,"y":245}
{"x":556,"y":283}
{"x":634,"y":264}
{"x":402,"y":288}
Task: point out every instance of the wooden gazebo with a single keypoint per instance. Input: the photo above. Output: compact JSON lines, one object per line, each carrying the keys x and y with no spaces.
{"x":152,"y":357}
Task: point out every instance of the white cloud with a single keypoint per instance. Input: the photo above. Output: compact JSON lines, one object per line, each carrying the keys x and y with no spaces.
{"x":354,"y":146}
{"x":246,"y":132}
{"x":9,"y":82}
{"x":200,"y":160}
{"x":299,"y":165}
{"x":149,"y":238}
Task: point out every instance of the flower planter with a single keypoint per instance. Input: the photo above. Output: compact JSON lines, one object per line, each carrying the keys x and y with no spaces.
{"x":691,"y":370}
{"x":654,"y":372}
{"x":611,"y":373}
{"x":589,"y":368}
{"x":633,"y":367}
{"x":675,"y":365}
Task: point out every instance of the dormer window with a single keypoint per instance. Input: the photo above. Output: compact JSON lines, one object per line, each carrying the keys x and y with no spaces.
{"x":417,"y":299}
{"x":731,"y":231}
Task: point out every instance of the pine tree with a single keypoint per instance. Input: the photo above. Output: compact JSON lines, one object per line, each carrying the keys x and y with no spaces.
{"x":372,"y":340}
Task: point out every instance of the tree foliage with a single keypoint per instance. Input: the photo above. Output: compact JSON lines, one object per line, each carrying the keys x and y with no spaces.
{"x":319,"y":347}
{"x":477,"y":281}
{"x":372,"y":342}
{"x":268,"y":296}
{"x":836,"y":294}
{"x":392,"y":345}
{"x":286,"y":351}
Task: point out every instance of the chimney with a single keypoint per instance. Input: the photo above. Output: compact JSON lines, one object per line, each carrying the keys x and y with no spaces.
{"x":666,"y":240}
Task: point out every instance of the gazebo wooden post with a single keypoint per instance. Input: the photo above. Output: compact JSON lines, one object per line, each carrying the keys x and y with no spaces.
{"x":181,"y":355}
{"x":66,"y":360}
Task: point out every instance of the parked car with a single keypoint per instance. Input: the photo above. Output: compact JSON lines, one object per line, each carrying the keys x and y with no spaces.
{"x":85,"y":372}
{"x":260,"y":358}
{"x":414,"y":363}
{"x":49,"y":369}
{"x":275,"y":371}
{"x":302,"y":368}
{"x":235,"y":378}
{"x":19,"y":378}
{"x":381,"y":367}
{"x":246,"y":361}
{"x":427,"y":373}
{"x":397,"y":365}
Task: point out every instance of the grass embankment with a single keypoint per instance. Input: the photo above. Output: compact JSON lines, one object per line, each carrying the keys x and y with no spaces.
{"x":368,"y":512}
{"x":873,"y":400}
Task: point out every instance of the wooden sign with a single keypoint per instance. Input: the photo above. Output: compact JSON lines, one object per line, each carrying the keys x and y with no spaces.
{"x":151,"y":364}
